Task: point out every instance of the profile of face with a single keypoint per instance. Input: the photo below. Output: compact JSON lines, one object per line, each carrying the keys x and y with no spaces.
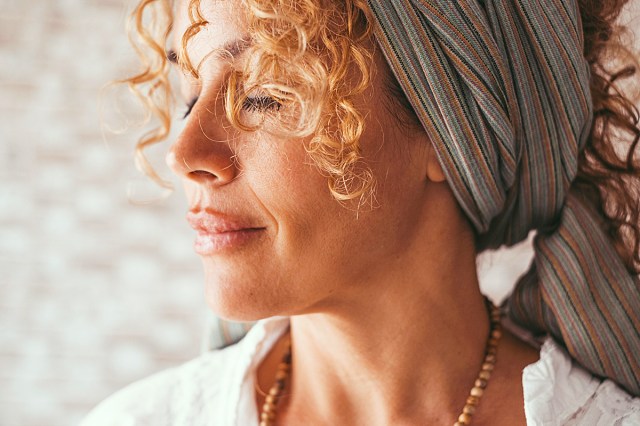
{"x":272,"y":237}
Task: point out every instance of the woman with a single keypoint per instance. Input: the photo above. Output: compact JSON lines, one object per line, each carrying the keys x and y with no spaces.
{"x":442,"y":129}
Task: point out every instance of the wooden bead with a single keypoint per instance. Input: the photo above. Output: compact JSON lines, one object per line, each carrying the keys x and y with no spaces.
{"x":464,"y":418}
{"x":267,"y":416}
{"x":476,"y":391}
{"x":469,"y":409}
{"x":283,"y":366}
{"x":487,"y":367}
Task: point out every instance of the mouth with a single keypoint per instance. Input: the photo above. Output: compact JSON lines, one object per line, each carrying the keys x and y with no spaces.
{"x":207,"y":244}
{"x":218,"y":233}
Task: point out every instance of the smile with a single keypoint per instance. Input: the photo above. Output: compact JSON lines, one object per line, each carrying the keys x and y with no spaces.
{"x":218,"y":232}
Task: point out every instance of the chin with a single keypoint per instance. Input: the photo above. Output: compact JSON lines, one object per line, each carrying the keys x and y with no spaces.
{"x":244,"y":298}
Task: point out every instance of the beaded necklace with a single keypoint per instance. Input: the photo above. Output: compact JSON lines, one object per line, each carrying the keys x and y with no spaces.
{"x":269,"y":408}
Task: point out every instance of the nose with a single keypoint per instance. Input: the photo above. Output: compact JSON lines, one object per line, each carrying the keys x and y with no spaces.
{"x":202,"y":152}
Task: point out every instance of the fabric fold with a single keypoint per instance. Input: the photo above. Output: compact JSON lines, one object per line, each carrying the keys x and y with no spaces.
{"x":503,"y":91}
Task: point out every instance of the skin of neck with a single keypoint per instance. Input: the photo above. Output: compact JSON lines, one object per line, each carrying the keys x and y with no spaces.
{"x":403,"y":349}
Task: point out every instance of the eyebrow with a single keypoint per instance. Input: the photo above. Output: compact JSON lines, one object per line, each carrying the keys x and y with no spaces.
{"x":233,"y":49}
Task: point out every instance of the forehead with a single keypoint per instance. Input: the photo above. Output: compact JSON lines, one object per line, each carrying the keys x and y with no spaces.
{"x":225,"y":26}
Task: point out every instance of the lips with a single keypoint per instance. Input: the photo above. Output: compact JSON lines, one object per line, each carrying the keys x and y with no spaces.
{"x":218,"y":232}
{"x":215,"y":223}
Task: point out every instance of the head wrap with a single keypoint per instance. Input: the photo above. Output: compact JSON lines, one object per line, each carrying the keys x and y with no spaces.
{"x":502,"y":89}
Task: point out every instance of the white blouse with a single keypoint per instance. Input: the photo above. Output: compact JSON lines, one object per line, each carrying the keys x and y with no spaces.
{"x":217,"y":389}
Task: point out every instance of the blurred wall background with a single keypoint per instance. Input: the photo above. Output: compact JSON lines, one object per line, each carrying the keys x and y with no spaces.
{"x":95,"y":292}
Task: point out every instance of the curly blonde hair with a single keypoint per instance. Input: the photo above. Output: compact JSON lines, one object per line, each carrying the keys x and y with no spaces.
{"x":311,"y":57}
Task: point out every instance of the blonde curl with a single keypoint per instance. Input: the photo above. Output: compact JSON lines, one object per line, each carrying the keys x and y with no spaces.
{"x":312,"y":57}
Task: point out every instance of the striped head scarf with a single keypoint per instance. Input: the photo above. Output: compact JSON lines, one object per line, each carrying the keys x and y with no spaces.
{"x":502,"y":89}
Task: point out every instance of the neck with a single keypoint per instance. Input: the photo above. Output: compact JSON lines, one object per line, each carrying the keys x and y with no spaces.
{"x":375,"y":377}
{"x":406,"y":352}
{"x":364,"y":372}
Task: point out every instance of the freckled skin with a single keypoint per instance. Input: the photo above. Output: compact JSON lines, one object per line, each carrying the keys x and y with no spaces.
{"x":384,"y":301}
{"x":314,"y":247}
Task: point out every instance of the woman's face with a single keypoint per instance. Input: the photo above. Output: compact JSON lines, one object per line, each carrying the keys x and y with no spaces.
{"x":272,"y":238}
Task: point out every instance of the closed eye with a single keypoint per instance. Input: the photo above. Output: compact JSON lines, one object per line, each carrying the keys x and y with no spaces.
{"x":252,"y":104}
{"x":261,"y":103}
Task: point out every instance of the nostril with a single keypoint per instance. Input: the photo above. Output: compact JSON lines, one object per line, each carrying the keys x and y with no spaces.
{"x":201,"y":174}
{"x":201,"y":162}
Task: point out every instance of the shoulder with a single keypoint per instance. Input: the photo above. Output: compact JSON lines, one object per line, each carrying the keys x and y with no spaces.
{"x":204,"y":391}
{"x":170,"y":397}
{"x":557,"y":391}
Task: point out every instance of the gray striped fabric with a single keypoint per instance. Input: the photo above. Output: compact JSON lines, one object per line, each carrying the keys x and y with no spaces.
{"x":502,"y":89}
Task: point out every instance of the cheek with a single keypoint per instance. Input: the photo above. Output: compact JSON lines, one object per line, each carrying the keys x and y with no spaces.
{"x":316,"y":237}
{"x":309,"y":222}
{"x":284,"y":178}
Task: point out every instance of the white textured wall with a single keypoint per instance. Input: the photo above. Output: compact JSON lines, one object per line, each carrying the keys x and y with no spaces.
{"x":94,"y":291}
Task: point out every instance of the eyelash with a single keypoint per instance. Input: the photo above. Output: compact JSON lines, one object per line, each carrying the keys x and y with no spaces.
{"x":258,"y":103}
{"x":190,"y":105}
{"x":261,"y":103}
